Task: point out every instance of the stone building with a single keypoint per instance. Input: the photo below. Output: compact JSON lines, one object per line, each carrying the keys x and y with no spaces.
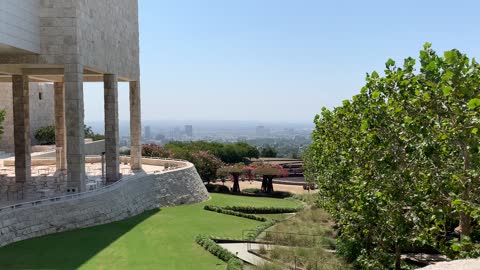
{"x":42,"y":112}
{"x":68,"y":42}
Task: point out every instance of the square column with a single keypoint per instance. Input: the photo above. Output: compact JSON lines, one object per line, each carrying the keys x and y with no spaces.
{"x":60,"y":138}
{"x":135,"y":126}
{"x":21,"y":128}
{"x":74,"y":123}
{"x":112,"y":156}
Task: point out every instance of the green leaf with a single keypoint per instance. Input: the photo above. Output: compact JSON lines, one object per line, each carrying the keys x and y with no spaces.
{"x":447,"y":89}
{"x":457,"y":247}
{"x":474,"y":130}
{"x":375,"y":75}
{"x":474,"y":103}
{"x":376,"y":94}
{"x":364,"y":126}
{"x":390,"y":63}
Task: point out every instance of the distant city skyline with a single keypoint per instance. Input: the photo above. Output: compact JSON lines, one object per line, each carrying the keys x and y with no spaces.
{"x":277,"y":60}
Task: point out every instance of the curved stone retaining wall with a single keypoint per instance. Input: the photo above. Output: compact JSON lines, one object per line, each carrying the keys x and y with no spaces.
{"x":130,"y":197}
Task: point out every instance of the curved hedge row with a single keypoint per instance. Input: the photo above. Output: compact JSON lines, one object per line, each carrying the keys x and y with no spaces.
{"x":263,"y":210}
{"x":233,"y":213}
{"x":233,"y":263}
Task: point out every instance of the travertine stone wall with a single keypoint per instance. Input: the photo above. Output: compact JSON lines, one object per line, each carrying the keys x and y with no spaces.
{"x":128,"y":198}
{"x":41,"y":111}
{"x":98,"y":34}
{"x":20,"y":24}
{"x":108,"y":36}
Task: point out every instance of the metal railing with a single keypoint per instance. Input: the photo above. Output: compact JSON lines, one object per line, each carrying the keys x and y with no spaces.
{"x":82,"y":194}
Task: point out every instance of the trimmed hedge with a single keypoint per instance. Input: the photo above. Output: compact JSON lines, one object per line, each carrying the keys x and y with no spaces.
{"x":275,"y":194}
{"x":214,"y":248}
{"x":233,"y":263}
{"x":217,"y":188}
{"x":259,"y":229}
{"x":263,"y":210}
{"x":233,"y":213}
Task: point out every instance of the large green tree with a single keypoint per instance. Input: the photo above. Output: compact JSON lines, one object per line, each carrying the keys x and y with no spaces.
{"x":397,"y":164}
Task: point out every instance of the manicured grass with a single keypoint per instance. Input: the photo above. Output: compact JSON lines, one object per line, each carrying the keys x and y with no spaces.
{"x":154,"y":240}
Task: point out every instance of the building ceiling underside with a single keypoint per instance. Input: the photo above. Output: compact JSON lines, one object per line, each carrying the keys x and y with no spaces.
{"x":47,"y":74}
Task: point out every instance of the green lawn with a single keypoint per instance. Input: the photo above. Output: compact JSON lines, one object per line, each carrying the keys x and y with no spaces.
{"x":161,"y":239}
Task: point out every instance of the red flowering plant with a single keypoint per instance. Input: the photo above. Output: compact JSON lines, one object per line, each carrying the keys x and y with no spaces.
{"x":154,"y":150}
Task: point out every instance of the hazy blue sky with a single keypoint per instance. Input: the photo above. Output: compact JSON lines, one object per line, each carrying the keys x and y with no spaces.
{"x":277,"y":60}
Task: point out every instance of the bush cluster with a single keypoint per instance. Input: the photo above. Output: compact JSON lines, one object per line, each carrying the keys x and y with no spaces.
{"x":234,"y":264}
{"x":259,"y":229}
{"x":233,"y":213}
{"x":217,"y":188}
{"x":275,"y":194}
{"x":263,"y":210}
{"x":214,"y":248}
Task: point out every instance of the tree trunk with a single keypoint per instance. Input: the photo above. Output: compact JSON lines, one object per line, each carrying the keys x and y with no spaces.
{"x":236,"y":185}
{"x":264,"y":184}
{"x":270,"y":184}
{"x":465,"y":224}
{"x":398,"y":257}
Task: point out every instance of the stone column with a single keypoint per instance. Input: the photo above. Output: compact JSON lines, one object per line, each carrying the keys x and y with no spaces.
{"x":61,"y":157}
{"x":135,"y":126}
{"x":74,"y":123}
{"x":21,"y":128}
{"x":111,"y":127}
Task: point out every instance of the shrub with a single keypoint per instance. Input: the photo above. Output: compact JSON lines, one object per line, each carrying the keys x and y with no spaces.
{"x":252,"y":235}
{"x":263,"y":210}
{"x":206,"y":165}
{"x":154,"y":150}
{"x":214,"y":248}
{"x":276,"y":194}
{"x":233,"y":213}
{"x":252,"y":190}
{"x":45,"y":135}
{"x":217,"y":188}
{"x":234,"y":264}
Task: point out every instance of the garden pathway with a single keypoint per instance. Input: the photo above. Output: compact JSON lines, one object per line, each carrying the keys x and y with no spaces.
{"x":241,"y":250}
{"x":472,"y":264}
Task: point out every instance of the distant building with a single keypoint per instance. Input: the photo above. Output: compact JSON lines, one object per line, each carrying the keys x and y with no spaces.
{"x":189,"y":130}
{"x":148,"y":133}
{"x":176,"y":133}
{"x":160,"y":137}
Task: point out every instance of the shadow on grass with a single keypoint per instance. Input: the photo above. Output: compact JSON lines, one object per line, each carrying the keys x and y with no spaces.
{"x":67,"y":250}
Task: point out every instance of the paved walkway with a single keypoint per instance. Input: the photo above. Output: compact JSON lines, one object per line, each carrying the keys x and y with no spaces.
{"x":473,"y":264}
{"x":241,"y":250}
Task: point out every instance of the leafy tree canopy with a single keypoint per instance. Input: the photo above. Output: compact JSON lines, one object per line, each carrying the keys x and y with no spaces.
{"x":397,"y":165}
{"x":229,"y":153}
